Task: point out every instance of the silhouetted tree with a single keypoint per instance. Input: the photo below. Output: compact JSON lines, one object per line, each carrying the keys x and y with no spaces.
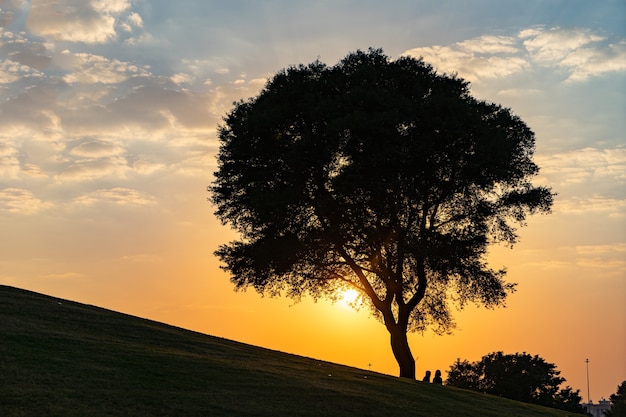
{"x":377,"y":175}
{"x":519,"y":376}
{"x":618,"y":402}
{"x":568,"y":399}
{"x":463,"y":374}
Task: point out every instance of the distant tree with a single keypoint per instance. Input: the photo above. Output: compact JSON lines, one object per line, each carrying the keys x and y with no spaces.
{"x":518,"y":376}
{"x":463,"y":374}
{"x":618,"y":402}
{"x":377,"y":175}
{"x":568,"y":399}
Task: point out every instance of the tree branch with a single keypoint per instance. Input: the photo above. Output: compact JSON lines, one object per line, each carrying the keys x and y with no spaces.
{"x":367,"y":286}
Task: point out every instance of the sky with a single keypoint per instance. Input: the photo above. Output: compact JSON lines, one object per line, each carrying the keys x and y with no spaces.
{"x":108,"y":118}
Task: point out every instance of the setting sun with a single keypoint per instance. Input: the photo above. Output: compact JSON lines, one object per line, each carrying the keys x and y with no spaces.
{"x":349,"y":298}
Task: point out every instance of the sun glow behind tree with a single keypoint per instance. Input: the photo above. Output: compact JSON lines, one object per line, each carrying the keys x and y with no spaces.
{"x":349,"y":299}
{"x":378,"y":175}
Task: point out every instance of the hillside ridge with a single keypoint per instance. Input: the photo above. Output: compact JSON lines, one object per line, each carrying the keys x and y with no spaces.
{"x":64,"y":358}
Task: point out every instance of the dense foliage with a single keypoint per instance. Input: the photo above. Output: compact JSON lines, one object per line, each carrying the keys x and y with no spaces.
{"x":518,"y":376}
{"x":377,"y":175}
{"x":618,"y":402}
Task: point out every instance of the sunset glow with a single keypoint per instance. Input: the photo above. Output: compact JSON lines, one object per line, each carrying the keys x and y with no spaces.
{"x":349,"y":298}
{"x":109,"y":112}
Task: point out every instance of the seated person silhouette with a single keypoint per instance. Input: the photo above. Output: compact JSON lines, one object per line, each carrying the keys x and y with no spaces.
{"x":437,"y":379}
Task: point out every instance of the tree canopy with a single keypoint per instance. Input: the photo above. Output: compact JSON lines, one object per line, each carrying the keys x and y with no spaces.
{"x":518,"y":376}
{"x":618,"y":402}
{"x":378,"y":175}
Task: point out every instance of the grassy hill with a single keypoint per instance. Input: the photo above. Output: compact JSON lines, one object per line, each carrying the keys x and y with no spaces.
{"x":61,"y":358}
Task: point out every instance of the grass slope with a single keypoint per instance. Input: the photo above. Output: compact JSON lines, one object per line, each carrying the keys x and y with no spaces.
{"x":61,"y":358}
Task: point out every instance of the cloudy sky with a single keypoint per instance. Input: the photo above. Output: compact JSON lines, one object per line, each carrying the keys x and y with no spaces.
{"x":108,"y":115}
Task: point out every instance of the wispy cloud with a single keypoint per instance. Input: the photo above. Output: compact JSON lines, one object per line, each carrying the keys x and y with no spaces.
{"x":584,"y":165}
{"x":603,"y":260}
{"x":77,"y":20}
{"x":64,"y":276}
{"x":142,"y":258}
{"x":118,"y":196}
{"x":596,"y":204}
{"x":20,"y":201}
{"x":87,"y":68}
{"x":22,"y":58}
{"x":113,"y":167}
{"x":555,"y":44}
{"x":96,"y":149}
{"x":579,"y":52}
{"x":489,"y":44}
{"x":618,"y":249}
{"x":594,"y":62}
{"x":133,"y":21}
{"x":482,"y":58}
{"x":611,"y":257}
{"x":9,"y":162}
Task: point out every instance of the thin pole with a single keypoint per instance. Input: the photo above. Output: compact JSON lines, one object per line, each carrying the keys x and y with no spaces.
{"x":588,"y":396}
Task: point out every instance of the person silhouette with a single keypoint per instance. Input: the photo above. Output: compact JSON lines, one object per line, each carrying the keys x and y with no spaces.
{"x":426,"y":377}
{"x":437,"y":379}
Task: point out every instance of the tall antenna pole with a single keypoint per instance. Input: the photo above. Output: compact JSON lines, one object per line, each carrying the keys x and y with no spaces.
{"x":588,"y":396}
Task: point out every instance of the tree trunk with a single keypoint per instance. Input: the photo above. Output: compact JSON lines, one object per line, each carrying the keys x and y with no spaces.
{"x":402,"y":351}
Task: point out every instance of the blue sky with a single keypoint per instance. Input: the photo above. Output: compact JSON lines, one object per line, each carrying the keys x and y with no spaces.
{"x":109,"y":111}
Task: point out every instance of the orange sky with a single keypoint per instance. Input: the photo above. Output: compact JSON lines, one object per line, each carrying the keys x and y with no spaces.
{"x":109,"y":112}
